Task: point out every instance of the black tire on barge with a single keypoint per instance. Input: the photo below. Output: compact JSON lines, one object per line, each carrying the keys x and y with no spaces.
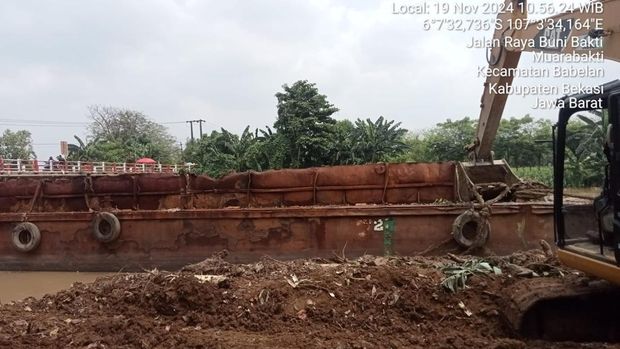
{"x":470,"y":230}
{"x":26,"y":237}
{"x":106,"y":227}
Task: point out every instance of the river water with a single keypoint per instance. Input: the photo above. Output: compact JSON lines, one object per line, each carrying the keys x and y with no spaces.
{"x":19,"y":285}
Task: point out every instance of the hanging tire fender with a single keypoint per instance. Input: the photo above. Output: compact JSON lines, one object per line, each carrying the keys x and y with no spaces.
{"x":471,"y":230}
{"x":106,"y":227}
{"x":26,"y":237}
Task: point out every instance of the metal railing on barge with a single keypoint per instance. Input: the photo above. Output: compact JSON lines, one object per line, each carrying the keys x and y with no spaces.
{"x":58,"y":167}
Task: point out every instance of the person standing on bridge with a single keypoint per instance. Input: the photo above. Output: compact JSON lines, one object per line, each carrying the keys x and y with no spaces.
{"x":49,"y":165}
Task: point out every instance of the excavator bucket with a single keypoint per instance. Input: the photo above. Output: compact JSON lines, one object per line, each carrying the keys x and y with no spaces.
{"x":486,"y":181}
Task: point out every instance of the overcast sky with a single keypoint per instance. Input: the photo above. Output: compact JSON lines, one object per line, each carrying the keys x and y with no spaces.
{"x":223,"y":61}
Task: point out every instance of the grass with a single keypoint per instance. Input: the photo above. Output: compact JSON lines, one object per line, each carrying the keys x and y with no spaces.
{"x":542,"y":174}
{"x":589,"y":193}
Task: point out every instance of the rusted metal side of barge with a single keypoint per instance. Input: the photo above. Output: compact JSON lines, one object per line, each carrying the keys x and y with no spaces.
{"x":167,"y":221}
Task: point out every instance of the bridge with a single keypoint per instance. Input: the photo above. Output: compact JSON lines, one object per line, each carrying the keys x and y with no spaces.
{"x":59,"y":167}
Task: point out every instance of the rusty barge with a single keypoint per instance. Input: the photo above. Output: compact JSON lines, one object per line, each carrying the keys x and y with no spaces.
{"x":134,"y":221}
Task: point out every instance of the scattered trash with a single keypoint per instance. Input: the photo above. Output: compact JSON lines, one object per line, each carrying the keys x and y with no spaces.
{"x":263,"y":296}
{"x":218,"y":280}
{"x":302,"y":314}
{"x":394,"y":298}
{"x":465,"y":310}
{"x":294,"y":281}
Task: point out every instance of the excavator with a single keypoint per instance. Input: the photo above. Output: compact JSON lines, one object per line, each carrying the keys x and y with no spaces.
{"x":591,"y":31}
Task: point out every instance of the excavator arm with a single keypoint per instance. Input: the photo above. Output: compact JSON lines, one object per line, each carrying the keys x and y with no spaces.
{"x":492,"y":105}
{"x":557,"y":35}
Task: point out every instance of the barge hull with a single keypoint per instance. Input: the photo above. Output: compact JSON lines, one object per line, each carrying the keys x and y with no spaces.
{"x":166,"y":221}
{"x":169,"y":240}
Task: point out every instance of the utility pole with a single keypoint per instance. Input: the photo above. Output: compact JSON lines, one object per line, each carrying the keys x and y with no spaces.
{"x":191,"y":126}
{"x":200,"y":123}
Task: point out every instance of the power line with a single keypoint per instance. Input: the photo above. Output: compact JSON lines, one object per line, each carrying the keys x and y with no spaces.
{"x":32,"y":122}
{"x":9,"y":122}
{"x":37,"y":125}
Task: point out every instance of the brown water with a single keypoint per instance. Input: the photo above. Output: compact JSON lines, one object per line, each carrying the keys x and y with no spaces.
{"x":18,"y":285}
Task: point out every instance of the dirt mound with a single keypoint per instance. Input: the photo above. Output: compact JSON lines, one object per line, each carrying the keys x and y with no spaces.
{"x":372,"y":302}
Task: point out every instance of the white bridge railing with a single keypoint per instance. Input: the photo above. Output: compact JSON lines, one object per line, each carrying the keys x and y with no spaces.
{"x":45,"y":167}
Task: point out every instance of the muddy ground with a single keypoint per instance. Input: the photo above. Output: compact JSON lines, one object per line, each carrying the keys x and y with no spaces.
{"x":371,"y":302}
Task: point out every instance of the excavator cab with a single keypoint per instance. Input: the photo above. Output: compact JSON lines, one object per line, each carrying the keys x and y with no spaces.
{"x":594,"y":250}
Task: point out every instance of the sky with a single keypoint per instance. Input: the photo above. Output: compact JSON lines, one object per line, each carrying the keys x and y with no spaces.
{"x":223,"y":61}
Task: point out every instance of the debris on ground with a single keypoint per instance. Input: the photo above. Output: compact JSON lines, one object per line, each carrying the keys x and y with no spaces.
{"x":457,"y":274}
{"x":370,"y":302}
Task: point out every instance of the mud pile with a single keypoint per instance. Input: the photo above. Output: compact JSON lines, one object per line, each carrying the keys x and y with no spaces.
{"x":371,"y":302}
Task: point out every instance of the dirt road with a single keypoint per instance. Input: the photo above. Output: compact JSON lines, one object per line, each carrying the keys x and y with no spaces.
{"x":372,"y":302}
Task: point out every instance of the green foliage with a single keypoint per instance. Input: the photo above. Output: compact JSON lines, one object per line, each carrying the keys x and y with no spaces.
{"x":542,"y":174}
{"x":416,"y":149}
{"x":585,"y":159}
{"x":16,"y":145}
{"x":305,"y":135}
{"x":305,"y":122}
{"x":78,"y":151}
{"x":272,"y":149}
{"x":222,"y":152}
{"x":365,"y":141}
{"x":377,"y":141}
{"x":122,"y":135}
{"x":447,"y":141}
{"x":518,"y":141}
{"x":342,"y":143}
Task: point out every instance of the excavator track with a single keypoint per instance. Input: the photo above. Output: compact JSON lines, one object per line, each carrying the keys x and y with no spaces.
{"x":552,"y":309}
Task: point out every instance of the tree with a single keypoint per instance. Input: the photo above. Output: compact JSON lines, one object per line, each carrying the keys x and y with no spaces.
{"x":222,"y":152}
{"x":518,"y":141}
{"x":241,"y":151}
{"x":415,"y":150}
{"x":377,"y":141}
{"x":121,"y":135}
{"x":273,"y":150}
{"x":80,"y":151}
{"x":305,"y":122}
{"x":585,"y":141}
{"x":447,"y":141}
{"x":341,"y":143}
{"x":16,"y":145}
